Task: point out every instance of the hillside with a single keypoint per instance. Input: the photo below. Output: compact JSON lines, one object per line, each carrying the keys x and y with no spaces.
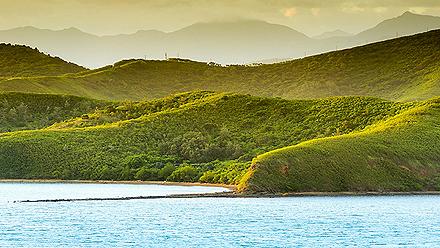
{"x":22,"y":61}
{"x":399,"y":154}
{"x":404,"y":69}
{"x":20,"y":111}
{"x":200,"y":136}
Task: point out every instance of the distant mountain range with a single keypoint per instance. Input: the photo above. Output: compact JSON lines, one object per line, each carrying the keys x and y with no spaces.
{"x":236,"y":42}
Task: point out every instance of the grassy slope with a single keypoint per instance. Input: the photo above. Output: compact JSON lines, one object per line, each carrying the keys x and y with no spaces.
{"x":20,"y":111}
{"x":22,"y":61}
{"x":399,"y":154}
{"x":196,"y":127}
{"x":407,"y":68}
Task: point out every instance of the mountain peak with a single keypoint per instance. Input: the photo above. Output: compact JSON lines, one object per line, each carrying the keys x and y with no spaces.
{"x":408,"y":13}
{"x":406,"y":24}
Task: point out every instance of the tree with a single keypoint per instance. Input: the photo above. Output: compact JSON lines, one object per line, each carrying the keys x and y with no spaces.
{"x":207,"y":177}
{"x":191,"y":146}
{"x":166,"y":171}
{"x":126,"y":174}
{"x":185,"y":173}
{"x":135,"y":161}
{"x":147,"y":174}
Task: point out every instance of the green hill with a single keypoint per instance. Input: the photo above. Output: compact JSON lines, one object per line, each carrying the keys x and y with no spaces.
{"x":399,"y":154}
{"x":21,"y":111}
{"x":406,"y":69}
{"x":199,"y":136}
{"x":23,"y":61}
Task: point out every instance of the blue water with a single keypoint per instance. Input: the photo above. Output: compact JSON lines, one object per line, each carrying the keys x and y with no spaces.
{"x":385,"y":221}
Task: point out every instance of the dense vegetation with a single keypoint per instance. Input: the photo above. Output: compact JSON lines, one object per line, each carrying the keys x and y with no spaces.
{"x":22,"y":61}
{"x":355,"y":143}
{"x":21,"y":111}
{"x":399,"y":154}
{"x":200,"y":136}
{"x":406,"y":68}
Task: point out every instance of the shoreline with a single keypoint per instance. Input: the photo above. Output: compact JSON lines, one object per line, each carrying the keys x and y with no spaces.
{"x":233,"y":194}
{"x":187,"y":184}
{"x":228,"y":194}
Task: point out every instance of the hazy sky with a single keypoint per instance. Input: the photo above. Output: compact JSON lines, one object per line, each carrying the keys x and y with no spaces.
{"x":127,"y":16}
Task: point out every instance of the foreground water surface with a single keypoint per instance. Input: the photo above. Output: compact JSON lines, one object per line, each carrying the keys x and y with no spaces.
{"x":363,"y":221}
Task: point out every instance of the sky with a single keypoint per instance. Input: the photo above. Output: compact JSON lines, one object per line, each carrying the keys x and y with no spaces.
{"x":103,"y":17}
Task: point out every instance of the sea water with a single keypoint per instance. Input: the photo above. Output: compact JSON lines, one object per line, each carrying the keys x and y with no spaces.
{"x":345,"y":221}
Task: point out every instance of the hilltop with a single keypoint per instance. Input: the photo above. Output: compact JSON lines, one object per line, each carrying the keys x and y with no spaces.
{"x":23,"y":61}
{"x":199,"y":136}
{"x":403,"y":69}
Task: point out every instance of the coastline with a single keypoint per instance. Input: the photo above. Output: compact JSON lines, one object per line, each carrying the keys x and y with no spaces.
{"x":166,"y":183}
{"x":230,"y":194}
